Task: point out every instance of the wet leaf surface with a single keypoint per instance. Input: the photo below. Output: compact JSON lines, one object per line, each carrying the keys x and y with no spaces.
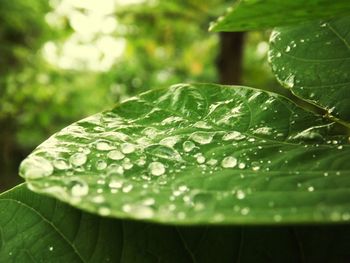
{"x":248,"y":15}
{"x":313,"y":61}
{"x":199,"y":154}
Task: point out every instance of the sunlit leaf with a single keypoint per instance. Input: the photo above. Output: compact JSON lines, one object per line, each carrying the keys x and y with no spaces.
{"x":313,"y":60}
{"x":197,"y":154}
{"x":255,"y":14}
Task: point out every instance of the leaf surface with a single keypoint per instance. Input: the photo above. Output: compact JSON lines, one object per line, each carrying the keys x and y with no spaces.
{"x":313,"y":61}
{"x":246,"y":15}
{"x":36,"y":228}
{"x":199,"y":154}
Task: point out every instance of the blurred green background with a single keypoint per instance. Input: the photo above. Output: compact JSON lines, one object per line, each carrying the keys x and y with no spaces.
{"x":62,"y":60}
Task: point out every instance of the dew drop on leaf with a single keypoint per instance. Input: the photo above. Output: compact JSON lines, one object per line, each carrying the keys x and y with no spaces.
{"x":104,"y":145}
{"x":78,"y":159}
{"x":138,"y":210}
{"x":115,"y":155}
{"x":202,"y":137}
{"x":36,"y":167}
{"x":235,"y":135}
{"x":156,"y":168}
{"x":79,"y":188}
{"x":127,"y":148}
{"x":188,"y":146}
{"x":101,"y":165}
{"x":229,"y":162}
{"x":61,"y":164}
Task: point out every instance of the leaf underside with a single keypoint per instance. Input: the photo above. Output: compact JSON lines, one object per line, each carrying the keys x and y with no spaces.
{"x":35,"y":228}
{"x":247,"y":15}
{"x":199,"y":154}
{"x":313,"y":61}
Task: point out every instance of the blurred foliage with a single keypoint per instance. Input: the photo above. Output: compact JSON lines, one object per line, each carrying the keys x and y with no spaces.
{"x":166,"y":42}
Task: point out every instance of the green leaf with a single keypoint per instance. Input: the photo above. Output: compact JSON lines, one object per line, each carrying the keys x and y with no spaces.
{"x":313,"y":61}
{"x":197,"y":154}
{"x":35,"y":228}
{"x":248,"y":15}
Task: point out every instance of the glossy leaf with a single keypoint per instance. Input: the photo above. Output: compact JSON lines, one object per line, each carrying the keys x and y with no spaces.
{"x":35,"y":228}
{"x":248,"y":15}
{"x":313,"y":60}
{"x":197,"y":154}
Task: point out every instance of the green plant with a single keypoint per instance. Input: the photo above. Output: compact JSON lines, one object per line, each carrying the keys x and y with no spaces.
{"x":230,"y":173}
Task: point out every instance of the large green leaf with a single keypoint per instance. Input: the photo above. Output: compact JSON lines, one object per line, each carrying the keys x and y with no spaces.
{"x":35,"y":228}
{"x":197,"y":154}
{"x":252,"y":14}
{"x":313,"y":60}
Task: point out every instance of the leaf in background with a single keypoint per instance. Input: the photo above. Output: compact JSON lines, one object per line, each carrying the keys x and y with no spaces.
{"x":313,"y":61}
{"x":35,"y":228}
{"x":248,"y":15}
{"x":197,"y":154}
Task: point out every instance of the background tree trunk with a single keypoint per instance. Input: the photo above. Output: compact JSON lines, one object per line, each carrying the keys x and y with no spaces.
{"x":229,"y":62}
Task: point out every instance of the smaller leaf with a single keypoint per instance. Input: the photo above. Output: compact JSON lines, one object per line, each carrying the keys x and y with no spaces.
{"x":313,"y":61}
{"x":248,"y":15}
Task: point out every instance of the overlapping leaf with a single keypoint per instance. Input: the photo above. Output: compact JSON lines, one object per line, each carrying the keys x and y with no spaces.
{"x":313,"y":60}
{"x":198,"y":154}
{"x":248,"y":15}
{"x":35,"y":228}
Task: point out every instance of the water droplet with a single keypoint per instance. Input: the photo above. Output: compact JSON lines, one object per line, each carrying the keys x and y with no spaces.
{"x":200,"y":158}
{"x":138,"y":211}
{"x":101,"y":164}
{"x":277,"y":218}
{"x":36,"y":167}
{"x":169,"y":141}
{"x":245,"y":211}
{"x":61,"y":164}
{"x":188,"y":146}
{"x":235,"y":135}
{"x":289,"y":81}
{"x":240,"y":194}
{"x":104,"y":211}
{"x":115,"y":155}
{"x":115,"y":169}
{"x":141,"y":161}
{"x":241,"y":165}
{"x":288,"y":49}
{"x":202,"y":125}
{"x":212,"y":162}
{"x":79,"y":188}
{"x":78,"y":159}
{"x":229,"y":162}
{"x":127,"y":148}
{"x":202,"y":137}
{"x":127,"y":164}
{"x":156,"y":168}
{"x":310,"y":188}
{"x":255,"y":168}
{"x":127,"y":188}
{"x":104,"y":145}
{"x":263,"y":130}
{"x":116,"y":184}
{"x":150,"y":132}
{"x":51,"y":248}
